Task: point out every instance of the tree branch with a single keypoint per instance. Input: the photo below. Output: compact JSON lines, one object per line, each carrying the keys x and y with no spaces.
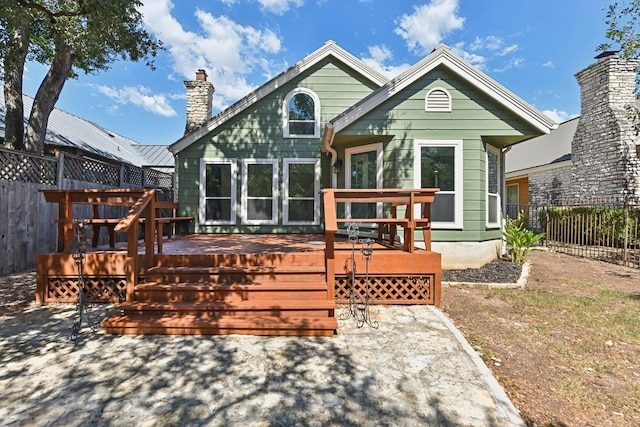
{"x":54,"y":15}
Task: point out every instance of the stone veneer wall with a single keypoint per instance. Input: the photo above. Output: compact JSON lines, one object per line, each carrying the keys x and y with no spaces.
{"x":604,"y":158}
{"x":549,"y":185}
{"x":199,"y":97}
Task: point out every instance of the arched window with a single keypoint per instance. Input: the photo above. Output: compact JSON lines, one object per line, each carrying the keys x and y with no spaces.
{"x":301,"y":114}
{"x":438,"y":99}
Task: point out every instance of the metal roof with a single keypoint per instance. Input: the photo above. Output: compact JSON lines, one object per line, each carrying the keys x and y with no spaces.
{"x":66,"y":130}
{"x":542,"y":150}
{"x":156,"y":154}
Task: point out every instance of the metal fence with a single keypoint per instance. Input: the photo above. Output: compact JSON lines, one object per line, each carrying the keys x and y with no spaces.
{"x":606,"y":229}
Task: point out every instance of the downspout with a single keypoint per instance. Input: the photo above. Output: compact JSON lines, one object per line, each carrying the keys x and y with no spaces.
{"x":327,"y":147}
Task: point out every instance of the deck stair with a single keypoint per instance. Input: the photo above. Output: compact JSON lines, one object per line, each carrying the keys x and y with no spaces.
{"x":278,"y":294}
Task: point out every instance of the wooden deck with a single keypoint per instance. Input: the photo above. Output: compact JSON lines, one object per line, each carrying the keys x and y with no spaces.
{"x":262,"y":284}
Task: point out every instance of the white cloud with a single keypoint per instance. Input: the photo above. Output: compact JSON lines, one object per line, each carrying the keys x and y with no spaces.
{"x":229,"y":2}
{"x":485,"y":49}
{"x":474,"y":59}
{"x":559,"y":116}
{"x":488,"y":43}
{"x":549,"y":64}
{"x":140,"y":96}
{"x":228,"y":51}
{"x":379,"y":55}
{"x":279,"y":7}
{"x":429,"y":24}
{"x":511,"y":63}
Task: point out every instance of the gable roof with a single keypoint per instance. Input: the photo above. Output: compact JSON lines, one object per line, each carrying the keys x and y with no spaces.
{"x":330,"y":48}
{"x":443,"y":55}
{"x":66,"y":130}
{"x":542,"y":150}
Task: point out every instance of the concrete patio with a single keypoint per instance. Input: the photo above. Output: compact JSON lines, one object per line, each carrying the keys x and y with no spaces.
{"x":416,"y":369}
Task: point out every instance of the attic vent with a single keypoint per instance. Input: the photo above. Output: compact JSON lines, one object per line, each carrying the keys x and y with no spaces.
{"x":438,"y":99}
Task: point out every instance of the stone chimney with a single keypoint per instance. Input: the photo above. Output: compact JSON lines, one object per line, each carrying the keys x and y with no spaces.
{"x":199,"y":98}
{"x":603,"y":150}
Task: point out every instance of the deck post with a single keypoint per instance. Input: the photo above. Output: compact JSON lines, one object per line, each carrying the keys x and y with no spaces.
{"x":150,"y":231}
{"x":330,"y":228}
{"x":67,"y":224}
{"x":437,"y":288}
{"x":131,"y":268}
{"x":426,"y":228}
{"x":40,"y":281}
{"x":330,"y":265}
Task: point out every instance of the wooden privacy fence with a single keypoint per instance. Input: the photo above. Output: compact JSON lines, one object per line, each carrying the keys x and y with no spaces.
{"x":26,"y":219}
{"x":607,"y":229}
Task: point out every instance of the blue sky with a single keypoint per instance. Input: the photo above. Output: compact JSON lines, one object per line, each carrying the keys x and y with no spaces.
{"x":533,"y":47}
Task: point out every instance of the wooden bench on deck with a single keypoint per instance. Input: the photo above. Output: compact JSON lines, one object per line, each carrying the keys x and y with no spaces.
{"x":174,"y":222}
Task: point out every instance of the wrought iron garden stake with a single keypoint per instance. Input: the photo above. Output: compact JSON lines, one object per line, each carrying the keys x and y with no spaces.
{"x":365,"y":315}
{"x":352,"y":230}
{"x":80,"y":233}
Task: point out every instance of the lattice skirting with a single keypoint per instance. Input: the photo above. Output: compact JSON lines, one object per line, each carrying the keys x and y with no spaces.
{"x":388,"y":289}
{"x":97,"y":289}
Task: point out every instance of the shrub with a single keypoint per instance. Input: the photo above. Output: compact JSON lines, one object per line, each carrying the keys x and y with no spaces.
{"x":594,"y":226}
{"x":519,"y":239}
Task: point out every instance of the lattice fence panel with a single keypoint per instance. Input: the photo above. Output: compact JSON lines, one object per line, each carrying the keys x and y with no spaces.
{"x":388,"y":289}
{"x":17,"y":166}
{"x":97,"y":289}
{"x":133,"y":175}
{"x":83,"y":169}
{"x":156,"y":178}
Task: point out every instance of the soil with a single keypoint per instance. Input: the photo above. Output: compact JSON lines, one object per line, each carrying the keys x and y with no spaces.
{"x":557,"y":370}
{"x":561,"y":362}
{"x":499,"y":271}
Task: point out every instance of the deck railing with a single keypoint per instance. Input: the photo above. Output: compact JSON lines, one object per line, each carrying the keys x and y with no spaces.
{"x":139,"y":202}
{"x":336,"y":201}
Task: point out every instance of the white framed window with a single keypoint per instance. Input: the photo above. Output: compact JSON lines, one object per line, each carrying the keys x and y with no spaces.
{"x":217,"y":191}
{"x":513,"y":200}
{"x":513,"y":194}
{"x":364,"y":170}
{"x":438,"y":99}
{"x":301,"y":114}
{"x":438,"y":164}
{"x":301,"y":198}
{"x":259,"y":192}
{"x":493,"y":187}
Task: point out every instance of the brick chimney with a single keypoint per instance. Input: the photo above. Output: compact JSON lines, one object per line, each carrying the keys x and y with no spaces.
{"x":603,"y":149}
{"x":199,"y":98}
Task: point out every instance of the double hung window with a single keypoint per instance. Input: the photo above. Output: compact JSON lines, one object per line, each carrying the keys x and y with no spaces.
{"x":493,"y":187}
{"x":217,"y":191}
{"x":259,"y":191}
{"x":301,"y":189}
{"x":438,"y":164}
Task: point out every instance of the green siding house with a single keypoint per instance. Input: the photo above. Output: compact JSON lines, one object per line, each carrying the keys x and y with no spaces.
{"x":332,"y":121}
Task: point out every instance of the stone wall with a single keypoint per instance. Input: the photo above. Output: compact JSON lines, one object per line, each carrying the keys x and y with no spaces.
{"x":550,"y":184}
{"x":604,"y":158}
